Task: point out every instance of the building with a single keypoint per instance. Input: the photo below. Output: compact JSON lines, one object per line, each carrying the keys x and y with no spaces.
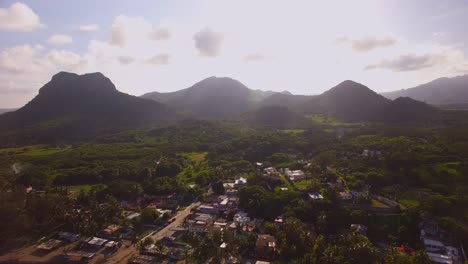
{"x":50,"y":244}
{"x":345,"y":196}
{"x":199,"y":223}
{"x":67,"y":236}
{"x":265,"y":247}
{"x":359,"y":229}
{"x":295,"y":175}
{"x":241,"y":181}
{"x":315,"y":196}
{"x":272,"y":173}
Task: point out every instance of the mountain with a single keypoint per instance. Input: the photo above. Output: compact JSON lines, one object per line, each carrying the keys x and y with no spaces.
{"x":291,"y":101}
{"x":348,"y":101}
{"x":4,"y":110}
{"x":72,"y":105}
{"x":274,"y":116}
{"x":441,"y":92}
{"x":405,"y":109}
{"x":212,"y":97}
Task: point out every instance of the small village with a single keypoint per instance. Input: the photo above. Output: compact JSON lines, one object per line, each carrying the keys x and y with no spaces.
{"x":218,"y":216}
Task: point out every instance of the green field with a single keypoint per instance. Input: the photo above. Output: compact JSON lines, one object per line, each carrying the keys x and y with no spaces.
{"x":378,"y":204}
{"x":194,"y":156}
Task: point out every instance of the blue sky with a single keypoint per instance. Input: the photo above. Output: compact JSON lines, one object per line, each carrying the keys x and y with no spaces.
{"x":305,"y":47}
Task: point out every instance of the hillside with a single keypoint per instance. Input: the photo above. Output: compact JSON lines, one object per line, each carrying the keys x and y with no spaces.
{"x":72,"y":105}
{"x":4,"y":110}
{"x":213,"y":97}
{"x":348,"y":101}
{"x":274,"y":116}
{"x":441,"y":92}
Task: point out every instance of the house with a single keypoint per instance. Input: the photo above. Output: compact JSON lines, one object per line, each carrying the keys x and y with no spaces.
{"x":240,"y":182}
{"x":265,"y":246}
{"x":315,"y":196}
{"x":199,"y":223}
{"x":110,"y":232}
{"x":50,"y":244}
{"x":272,"y":173}
{"x":295,"y":175}
{"x":96,"y":242}
{"x":67,"y":236}
{"x":241,"y":218}
{"x":345,"y":196}
{"x":207,"y":209}
{"x":434,"y":246}
{"x":359,"y":229}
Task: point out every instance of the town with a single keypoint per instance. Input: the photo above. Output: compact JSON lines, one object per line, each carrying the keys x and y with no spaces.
{"x":242,"y":219}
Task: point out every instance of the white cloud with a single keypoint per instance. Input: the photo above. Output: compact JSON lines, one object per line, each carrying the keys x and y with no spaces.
{"x":125,"y":59}
{"x":25,"y":68}
{"x":407,"y":62}
{"x":125,"y":28}
{"x":160,"y":59}
{"x":19,"y":17}
{"x":208,"y":42}
{"x":368,"y":43}
{"x":88,"y":28}
{"x":160,"y":34}
{"x":254,"y":57}
{"x":60,"y":39}
{"x":21,"y":59}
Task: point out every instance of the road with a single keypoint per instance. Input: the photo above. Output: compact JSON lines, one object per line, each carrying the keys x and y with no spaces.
{"x":124,"y":254}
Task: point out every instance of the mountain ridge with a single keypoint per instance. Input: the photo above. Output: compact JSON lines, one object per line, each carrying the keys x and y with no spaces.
{"x":441,"y":91}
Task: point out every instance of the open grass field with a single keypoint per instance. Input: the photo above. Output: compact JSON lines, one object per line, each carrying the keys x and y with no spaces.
{"x":378,"y":204}
{"x":195,"y":156}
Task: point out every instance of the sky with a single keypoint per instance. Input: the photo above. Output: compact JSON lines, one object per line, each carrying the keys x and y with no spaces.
{"x":305,"y":47}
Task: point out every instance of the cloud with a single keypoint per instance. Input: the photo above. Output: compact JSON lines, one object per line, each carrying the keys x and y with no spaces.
{"x":368,"y":43}
{"x":439,"y":34}
{"x":88,"y":28}
{"x":254,"y":57}
{"x":408,"y":62}
{"x":29,"y":59}
{"x":208,"y":42}
{"x":60,"y":39}
{"x":118,"y":33}
{"x":125,"y":60}
{"x":160,"y":59}
{"x":160,"y":34}
{"x":125,"y":29}
{"x":19,"y":17}
{"x":20,"y":59}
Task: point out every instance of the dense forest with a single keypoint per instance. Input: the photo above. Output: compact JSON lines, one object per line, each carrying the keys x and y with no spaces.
{"x":424,"y":168}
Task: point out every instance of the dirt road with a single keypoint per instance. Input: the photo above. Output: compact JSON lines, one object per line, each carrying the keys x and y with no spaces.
{"x":124,"y":254}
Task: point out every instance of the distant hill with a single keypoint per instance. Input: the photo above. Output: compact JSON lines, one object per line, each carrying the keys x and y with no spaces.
{"x":213,"y":97}
{"x":444,"y":92}
{"x":4,"y":110}
{"x":73,"y":106}
{"x":274,"y":116}
{"x":293,"y":102}
{"x":349,"y":101}
{"x":354,"y":102}
{"x":405,"y":109}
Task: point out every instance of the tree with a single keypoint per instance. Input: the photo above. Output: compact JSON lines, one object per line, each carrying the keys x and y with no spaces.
{"x":149,"y":216}
{"x":351,"y":248}
{"x":218,"y":187}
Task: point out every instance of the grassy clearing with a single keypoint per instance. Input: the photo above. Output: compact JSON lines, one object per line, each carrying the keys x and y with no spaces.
{"x":322,"y":120}
{"x":195,"y":156}
{"x":301,"y":185}
{"x":286,"y":183}
{"x":378,"y":204}
{"x":76,"y":189}
{"x":293,"y":131}
{"x":35,"y":150}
